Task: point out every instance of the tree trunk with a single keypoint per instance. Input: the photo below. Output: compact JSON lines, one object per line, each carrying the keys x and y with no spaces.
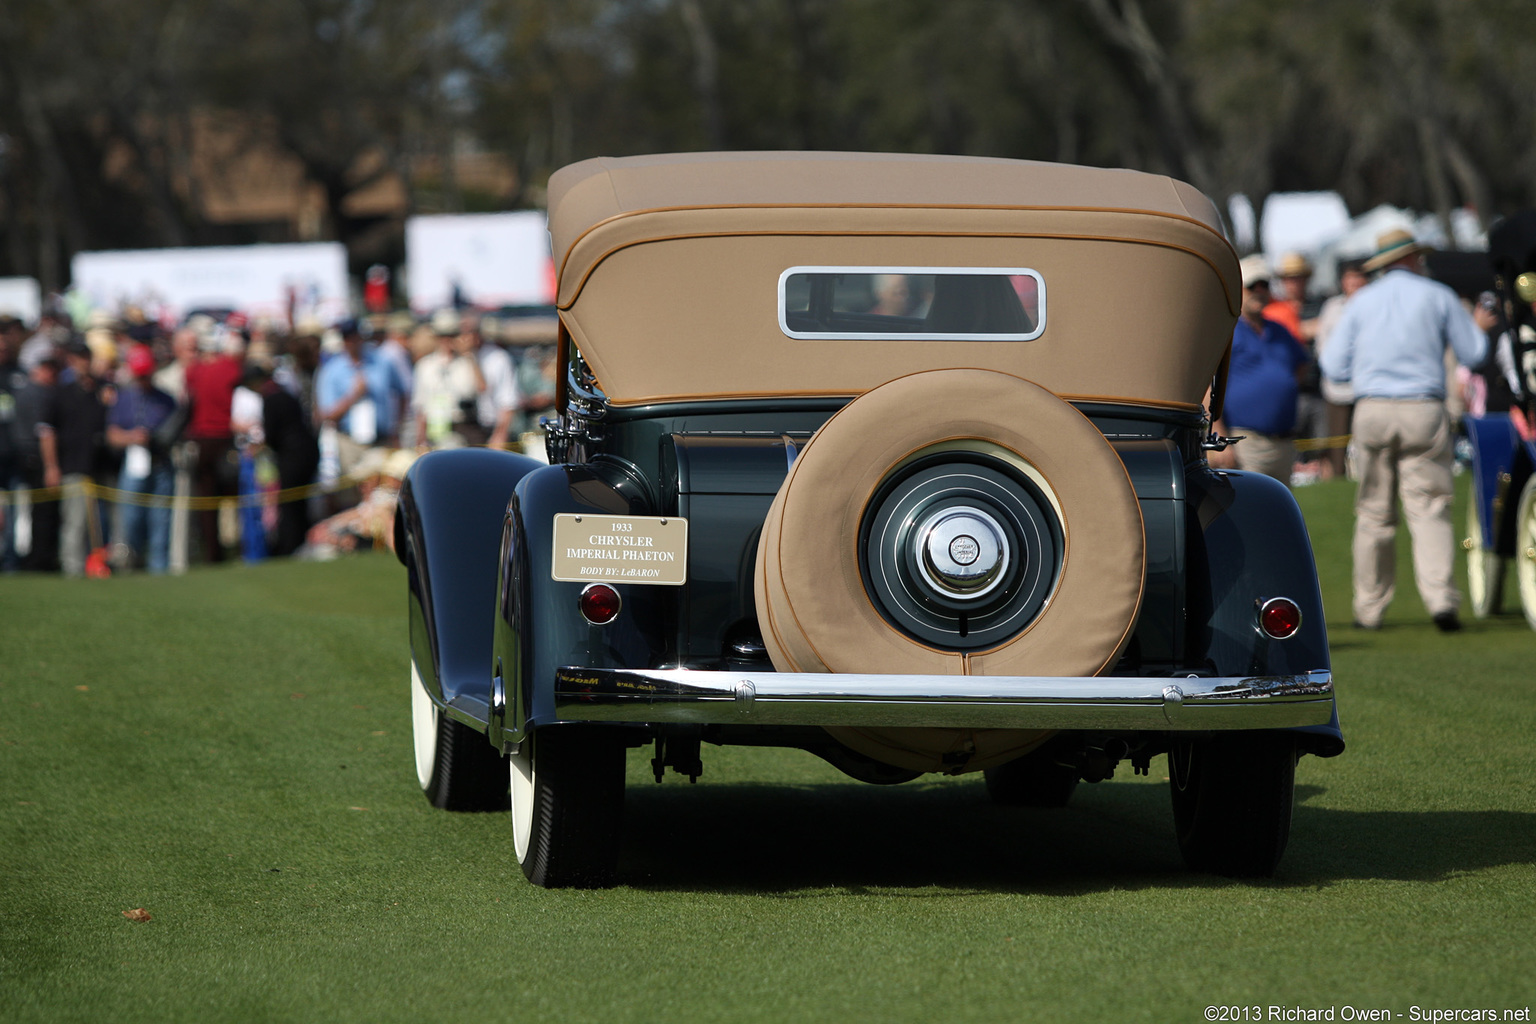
{"x":1431,"y":149}
{"x":1127,"y":30}
{"x":706,"y":72}
{"x":1469,"y":180}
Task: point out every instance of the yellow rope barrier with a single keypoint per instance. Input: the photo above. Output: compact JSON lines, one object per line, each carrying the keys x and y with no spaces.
{"x":42,"y":495}
{"x":1322,"y":444}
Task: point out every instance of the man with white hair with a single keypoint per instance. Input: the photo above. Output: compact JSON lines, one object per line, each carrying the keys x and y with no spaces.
{"x":1390,"y":345}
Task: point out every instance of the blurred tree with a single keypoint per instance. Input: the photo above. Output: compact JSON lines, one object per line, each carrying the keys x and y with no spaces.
{"x":92,"y":111}
{"x":343,"y":85}
{"x":1416,"y":102}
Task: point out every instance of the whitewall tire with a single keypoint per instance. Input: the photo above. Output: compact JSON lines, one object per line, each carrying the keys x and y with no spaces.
{"x":456,"y":766}
{"x":567,"y":797}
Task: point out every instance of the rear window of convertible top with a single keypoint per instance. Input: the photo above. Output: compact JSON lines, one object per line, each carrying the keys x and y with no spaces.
{"x":912,"y":303}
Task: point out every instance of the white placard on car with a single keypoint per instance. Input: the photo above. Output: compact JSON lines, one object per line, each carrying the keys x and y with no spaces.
{"x":620,"y":549}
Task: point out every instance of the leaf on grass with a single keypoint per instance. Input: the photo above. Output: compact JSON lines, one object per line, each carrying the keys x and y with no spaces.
{"x":295,"y":696}
{"x":357,"y":808}
{"x":82,"y":689}
{"x":137,"y":914}
{"x":378,"y":732}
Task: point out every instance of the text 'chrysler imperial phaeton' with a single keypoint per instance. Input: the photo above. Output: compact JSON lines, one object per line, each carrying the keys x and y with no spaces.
{"x":898,"y":460}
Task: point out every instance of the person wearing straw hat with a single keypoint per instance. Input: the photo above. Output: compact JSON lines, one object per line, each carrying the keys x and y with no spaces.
{"x":1390,"y":345}
{"x":1290,"y":308}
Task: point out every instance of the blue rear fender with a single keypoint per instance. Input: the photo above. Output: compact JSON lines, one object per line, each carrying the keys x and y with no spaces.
{"x":447,"y":533}
{"x":1247,"y":543}
{"x":538,"y":624}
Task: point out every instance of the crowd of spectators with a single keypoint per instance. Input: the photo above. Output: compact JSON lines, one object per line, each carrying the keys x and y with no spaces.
{"x":284,"y":442}
{"x":1371,"y":383}
{"x":1296,"y":421}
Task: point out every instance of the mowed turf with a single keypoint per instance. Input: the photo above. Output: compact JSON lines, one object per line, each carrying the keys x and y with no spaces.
{"x":231,"y":752}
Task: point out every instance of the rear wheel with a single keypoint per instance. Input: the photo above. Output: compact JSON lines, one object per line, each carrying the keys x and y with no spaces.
{"x":1485,"y":569}
{"x":1034,"y":780}
{"x":567,"y":787}
{"x":1525,"y":550}
{"x":1232,"y":797}
{"x":457,"y":767}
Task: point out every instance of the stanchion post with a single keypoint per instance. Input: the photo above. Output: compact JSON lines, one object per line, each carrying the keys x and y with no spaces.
{"x":183,"y":456}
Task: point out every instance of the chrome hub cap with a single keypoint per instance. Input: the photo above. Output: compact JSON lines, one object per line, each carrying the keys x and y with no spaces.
{"x":963,"y":552}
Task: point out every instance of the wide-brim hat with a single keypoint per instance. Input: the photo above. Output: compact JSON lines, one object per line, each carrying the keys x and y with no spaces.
{"x":1254,"y":269}
{"x":1295,"y":264}
{"x":1393,"y":246}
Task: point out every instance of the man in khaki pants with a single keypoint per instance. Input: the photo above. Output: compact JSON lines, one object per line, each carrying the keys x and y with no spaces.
{"x":1390,"y":344}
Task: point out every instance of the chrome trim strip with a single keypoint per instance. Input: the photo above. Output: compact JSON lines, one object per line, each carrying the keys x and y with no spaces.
{"x":973,"y":702}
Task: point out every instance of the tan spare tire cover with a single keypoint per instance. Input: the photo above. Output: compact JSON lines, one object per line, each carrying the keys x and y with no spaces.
{"x":813,"y":607}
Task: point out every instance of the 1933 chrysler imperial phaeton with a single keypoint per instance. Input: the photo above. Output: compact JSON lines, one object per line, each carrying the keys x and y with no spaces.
{"x":898,"y":460}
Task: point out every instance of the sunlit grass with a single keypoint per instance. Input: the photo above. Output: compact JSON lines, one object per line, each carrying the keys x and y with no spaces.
{"x":230,"y":751}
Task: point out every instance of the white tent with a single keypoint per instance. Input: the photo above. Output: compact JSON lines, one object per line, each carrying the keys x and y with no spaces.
{"x":1318,"y":225}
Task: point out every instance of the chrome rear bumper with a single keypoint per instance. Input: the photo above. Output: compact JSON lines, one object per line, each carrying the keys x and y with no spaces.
{"x":968,"y":702}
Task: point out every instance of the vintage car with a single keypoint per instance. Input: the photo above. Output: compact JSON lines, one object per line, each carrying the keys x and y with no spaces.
{"x":898,"y":460}
{"x":1501,"y":517}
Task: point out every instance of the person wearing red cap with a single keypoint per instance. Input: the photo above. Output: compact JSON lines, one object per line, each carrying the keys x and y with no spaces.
{"x":211,"y":383}
{"x":143,"y":425}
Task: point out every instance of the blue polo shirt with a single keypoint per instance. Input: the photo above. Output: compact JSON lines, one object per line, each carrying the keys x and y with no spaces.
{"x":1261,"y":384}
{"x":385,"y":383}
{"x":136,"y":407}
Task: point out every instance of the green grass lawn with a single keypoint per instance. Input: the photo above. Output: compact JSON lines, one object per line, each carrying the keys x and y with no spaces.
{"x":231,"y":751}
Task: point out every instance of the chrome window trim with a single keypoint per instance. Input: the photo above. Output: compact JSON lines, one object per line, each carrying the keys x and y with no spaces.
{"x":907,"y":335}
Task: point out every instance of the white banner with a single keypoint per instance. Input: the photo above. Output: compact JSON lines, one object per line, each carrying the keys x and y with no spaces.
{"x":482,"y":259}
{"x":21,"y":298}
{"x":263,"y":281}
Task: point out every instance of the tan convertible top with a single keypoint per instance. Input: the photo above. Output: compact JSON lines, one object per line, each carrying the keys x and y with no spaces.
{"x":669,"y":268}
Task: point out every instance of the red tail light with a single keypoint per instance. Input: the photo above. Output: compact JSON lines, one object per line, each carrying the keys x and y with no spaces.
{"x":600,"y":603}
{"x":1279,"y":618}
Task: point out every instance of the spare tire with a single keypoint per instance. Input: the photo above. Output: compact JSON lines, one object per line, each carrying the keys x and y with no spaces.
{"x":952,"y":522}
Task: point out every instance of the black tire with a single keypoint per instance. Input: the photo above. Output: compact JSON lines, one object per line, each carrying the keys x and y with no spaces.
{"x":1232,"y":797}
{"x":456,"y":766}
{"x":567,"y":787}
{"x":1034,"y":780}
{"x":1485,"y":569}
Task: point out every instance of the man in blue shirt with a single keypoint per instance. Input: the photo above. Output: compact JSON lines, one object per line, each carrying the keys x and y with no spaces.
{"x":1390,"y":345}
{"x":360,"y":393}
{"x":1262,"y":382}
{"x":137,"y":426}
